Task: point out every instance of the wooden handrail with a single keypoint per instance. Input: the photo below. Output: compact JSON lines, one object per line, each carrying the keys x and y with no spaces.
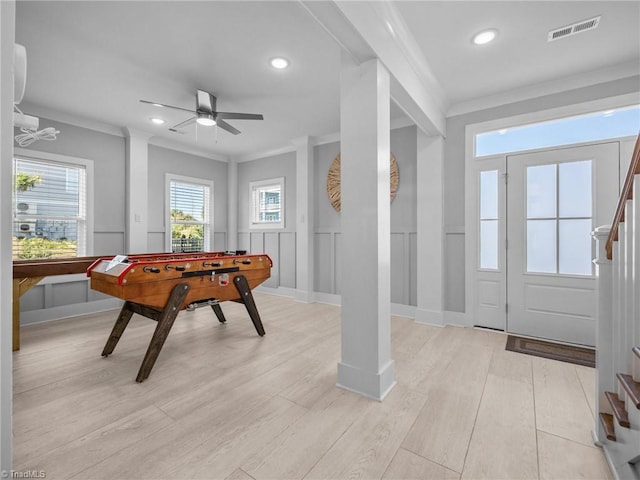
{"x":626,"y":194}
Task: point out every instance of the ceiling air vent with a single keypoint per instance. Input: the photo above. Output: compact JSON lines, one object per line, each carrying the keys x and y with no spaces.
{"x":573,"y":29}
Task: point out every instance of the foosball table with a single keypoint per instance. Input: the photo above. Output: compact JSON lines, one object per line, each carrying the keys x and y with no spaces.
{"x":159,"y":286}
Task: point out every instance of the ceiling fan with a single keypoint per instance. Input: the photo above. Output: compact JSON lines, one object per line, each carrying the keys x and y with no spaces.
{"x":206,"y":114}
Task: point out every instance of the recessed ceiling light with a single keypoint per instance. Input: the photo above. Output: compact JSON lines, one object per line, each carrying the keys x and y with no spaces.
{"x":279,"y":63}
{"x":485,"y":36}
{"x":157,"y":121}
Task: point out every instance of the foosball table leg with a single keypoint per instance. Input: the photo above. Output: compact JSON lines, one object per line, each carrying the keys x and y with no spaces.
{"x":246,"y":297}
{"x":118,"y":329}
{"x":165,"y":322}
{"x":218,"y":311}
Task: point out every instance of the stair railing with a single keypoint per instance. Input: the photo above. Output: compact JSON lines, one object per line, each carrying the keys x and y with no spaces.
{"x":618,"y":327}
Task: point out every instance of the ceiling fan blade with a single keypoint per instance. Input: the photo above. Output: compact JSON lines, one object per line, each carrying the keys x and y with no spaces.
{"x":225,"y":126}
{"x":183,"y":124}
{"x":239,"y":116}
{"x":167,"y":106}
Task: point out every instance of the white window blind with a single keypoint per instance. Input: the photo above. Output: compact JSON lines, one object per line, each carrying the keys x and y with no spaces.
{"x":49,"y":209}
{"x":190,"y":214}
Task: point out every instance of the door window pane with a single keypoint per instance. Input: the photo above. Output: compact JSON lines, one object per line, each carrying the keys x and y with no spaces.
{"x":574,"y":195}
{"x":489,"y":244}
{"x":575,"y":247}
{"x":489,"y":195}
{"x":541,"y":191}
{"x":541,"y":246}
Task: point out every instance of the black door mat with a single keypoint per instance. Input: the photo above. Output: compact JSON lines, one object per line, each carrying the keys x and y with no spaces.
{"x":554,"y":351}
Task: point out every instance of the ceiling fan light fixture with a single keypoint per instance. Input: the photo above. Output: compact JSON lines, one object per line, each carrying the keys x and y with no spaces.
{"x":206,"y":119}
{"x":484,"y":37}
{"x":279,"y":63}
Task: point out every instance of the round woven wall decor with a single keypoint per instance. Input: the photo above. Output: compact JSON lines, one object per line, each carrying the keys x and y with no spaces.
{"x":333,"y":182}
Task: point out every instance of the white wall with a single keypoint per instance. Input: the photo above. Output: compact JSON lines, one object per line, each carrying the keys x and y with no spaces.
{"x":279,"y":244}
{"x":162,"y":161}
{"x":403,"y":222}
{"x":107,"y":153}
{"x":59,"y":297}
{"x":7,"y":33}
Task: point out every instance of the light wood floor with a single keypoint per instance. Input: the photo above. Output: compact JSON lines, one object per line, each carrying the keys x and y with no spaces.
{"x":222,"y":402}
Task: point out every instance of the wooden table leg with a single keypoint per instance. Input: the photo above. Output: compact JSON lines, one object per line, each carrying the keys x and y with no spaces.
{"x":218,"y":311}
{"x":246,"y":297}
{"x":20,"y":287}
{"x":121,"y":323}
{"x":165,"y":322}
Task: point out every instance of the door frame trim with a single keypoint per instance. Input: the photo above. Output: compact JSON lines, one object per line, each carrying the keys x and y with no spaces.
{"x":471,"y":130}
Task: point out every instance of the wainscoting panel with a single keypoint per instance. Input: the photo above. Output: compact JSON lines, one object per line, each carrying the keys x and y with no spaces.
{"x":271,"y":248}
{"x":454,"y":296}
{"x":67,"y":293}
{"x":324,"y":262}
{"x":108,"y":243}
{"x":337,"y":263}
{"x":244,"y":241}
{"x":256,"y":242}
{"x":287,"y":264}
{"x":328,"y":265}
{"x":399,"y":265}
{"x":413,"y":269}
{"x":219,"y":241}
{"x":155,"y":242}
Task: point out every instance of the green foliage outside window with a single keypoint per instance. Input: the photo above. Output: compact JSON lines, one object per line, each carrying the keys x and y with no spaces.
{"x":185,"y":230}
{"x":35,"y":247}
{"x":25,"y":182}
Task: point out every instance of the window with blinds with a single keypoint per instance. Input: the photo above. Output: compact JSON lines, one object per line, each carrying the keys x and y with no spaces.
{"x":267,"y":203}
{"x":49,"y":209}
{"x":190,"y":216}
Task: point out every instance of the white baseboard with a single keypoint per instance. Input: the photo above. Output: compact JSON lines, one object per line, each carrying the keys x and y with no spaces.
{"x":304,"y":296}
{"x":456,"y":318}
{"x":429,"y":317}
{"x":66,"y":311}
{"x":375,"y":385}
{"x":279,"y":291}
{"x":328,"y":298}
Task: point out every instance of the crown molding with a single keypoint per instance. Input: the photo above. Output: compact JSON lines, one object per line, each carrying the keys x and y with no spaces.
{"x":560,"y":85}
{"x":70,"y":119}
{"x":180,"y":147}
{"x":265,"y":154}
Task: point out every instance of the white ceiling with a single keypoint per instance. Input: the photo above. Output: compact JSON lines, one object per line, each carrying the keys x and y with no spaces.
{"x":94,"y":60}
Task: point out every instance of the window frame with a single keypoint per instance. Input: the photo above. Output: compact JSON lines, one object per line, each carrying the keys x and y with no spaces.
{"x":62,"y":160}
{"x":208,"y":226}
{"x":256,"y":185}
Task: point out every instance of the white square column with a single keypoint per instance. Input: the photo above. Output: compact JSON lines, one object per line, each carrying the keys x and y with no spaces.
{"x":232,"y":205}
{"x":430,"y":229}
{"x":304,"y":219}
{"x":366,"y":366}
{"x":137,"y":188}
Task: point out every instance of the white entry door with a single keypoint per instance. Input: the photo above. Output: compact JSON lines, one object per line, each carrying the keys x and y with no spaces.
{"x":555,"y":199}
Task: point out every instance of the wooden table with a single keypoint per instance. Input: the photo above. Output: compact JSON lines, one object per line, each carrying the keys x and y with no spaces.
{"x":27,"y":274}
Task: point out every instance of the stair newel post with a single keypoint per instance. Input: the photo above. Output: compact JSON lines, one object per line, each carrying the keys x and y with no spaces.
{"x":605,"y":375}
